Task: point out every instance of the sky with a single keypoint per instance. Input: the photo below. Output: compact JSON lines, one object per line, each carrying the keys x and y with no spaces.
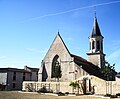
{"x":28,"y":28}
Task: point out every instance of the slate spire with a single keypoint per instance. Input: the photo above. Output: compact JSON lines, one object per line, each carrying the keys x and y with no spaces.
{"x":96,"y":30}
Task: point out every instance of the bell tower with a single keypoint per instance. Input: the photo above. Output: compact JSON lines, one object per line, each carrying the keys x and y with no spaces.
{"x":96,"y":55}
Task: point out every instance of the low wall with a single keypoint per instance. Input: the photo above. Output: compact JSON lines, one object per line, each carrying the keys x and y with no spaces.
{"x":35,"y":86}
{"x":105,"y":87}
{"x":100,"y":86}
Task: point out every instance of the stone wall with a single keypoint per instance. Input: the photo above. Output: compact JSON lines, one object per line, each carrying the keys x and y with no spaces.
{"x":100,"y":86}
{"x":105,"y":87}
{"x":54,"y":86}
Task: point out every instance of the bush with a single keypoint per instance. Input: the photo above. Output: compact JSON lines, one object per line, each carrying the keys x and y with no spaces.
{"x":45,"y":90}
{"x":107,"y":95}
{"x":42,"y":90}
{"x":60,"y":94}
{"x":118,"y":94}
{"x":73,"y":93}
{"x":113,"y":96}
{"x":66,"y":93}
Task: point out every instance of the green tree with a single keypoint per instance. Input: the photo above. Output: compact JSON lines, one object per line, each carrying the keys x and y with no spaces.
{"x":109,"y":74}
{"x":74,"y":85}
{"x":108,"y":71}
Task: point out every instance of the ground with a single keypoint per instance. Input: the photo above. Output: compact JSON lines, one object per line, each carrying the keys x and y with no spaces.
{"x":23,"y":95}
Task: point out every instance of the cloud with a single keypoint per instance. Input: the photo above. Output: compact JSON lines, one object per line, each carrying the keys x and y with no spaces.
{"x":36,"y":50}
{"x":72,"y":10}
{"x":2,"y":57}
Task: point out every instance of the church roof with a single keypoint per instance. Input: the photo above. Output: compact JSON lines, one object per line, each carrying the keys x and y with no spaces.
{"x":88,"y":66}
{"x":96,"y":30}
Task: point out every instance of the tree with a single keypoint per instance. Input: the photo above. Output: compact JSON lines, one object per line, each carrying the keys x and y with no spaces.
{"x":74,"y":85}
{"x":108,"y":71}
{"x":109,"y":74}
{"x":57,"y":71}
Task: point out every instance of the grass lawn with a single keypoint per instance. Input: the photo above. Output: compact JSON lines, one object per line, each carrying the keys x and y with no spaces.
{"x":21,"y":95}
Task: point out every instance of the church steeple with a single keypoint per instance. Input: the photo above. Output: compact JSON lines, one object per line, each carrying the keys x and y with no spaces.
{"x":96,"y":38}
{"x":96,"y":55}
{"x":96,"y":30}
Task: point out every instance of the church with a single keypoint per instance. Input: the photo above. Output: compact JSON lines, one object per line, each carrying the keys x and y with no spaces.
{"x":73,"y":66}
{"x":59,"y":68}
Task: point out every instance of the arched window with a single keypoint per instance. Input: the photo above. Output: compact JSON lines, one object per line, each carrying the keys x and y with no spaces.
{"x":93,"y":44}
{"x":98,"y":45}
{"x":55,"y":60}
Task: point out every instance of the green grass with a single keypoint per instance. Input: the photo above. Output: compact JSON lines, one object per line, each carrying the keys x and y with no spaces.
{"x":24,"y":95}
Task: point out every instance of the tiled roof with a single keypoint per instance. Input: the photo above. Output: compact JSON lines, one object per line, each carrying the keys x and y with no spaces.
{"x":88,"y":66}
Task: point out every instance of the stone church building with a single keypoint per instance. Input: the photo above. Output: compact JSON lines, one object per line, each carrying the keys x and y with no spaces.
{"x":73,"y":66}
{"x":87,"y":72}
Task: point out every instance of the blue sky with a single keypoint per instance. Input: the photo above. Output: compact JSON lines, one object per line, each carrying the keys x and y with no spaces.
{"x":28,"y":27}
